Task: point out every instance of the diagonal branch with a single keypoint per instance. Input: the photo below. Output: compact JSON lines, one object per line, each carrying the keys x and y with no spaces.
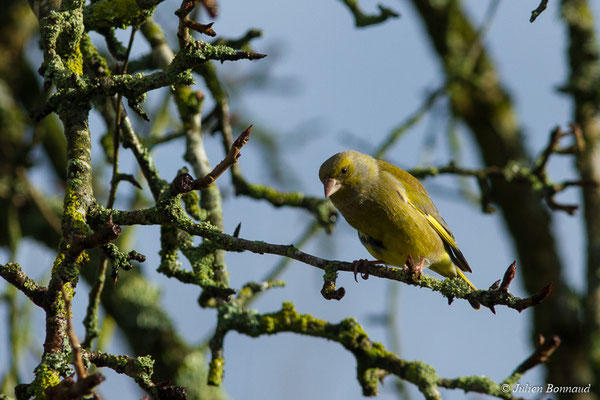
{"x":14,"y":275}
{"x":185,"y":183}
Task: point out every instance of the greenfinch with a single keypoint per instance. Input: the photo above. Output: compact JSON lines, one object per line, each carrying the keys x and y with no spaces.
{"x":392,"y":212}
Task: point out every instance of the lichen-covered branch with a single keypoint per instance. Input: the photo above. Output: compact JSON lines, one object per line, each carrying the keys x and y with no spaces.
{"x":171,"y":213}
{"x":133,"y":87}
{"x":14,"y":275}
{"x":515,"y":173}
{"x":373,"y":361}
{"x":321,"y":209}
{"x":103,"y":15}
{"x":138,"y":368}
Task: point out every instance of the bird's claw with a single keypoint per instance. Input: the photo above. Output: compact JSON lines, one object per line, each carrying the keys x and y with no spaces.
{"x":362,"y":261}
{"x":412,"y":268}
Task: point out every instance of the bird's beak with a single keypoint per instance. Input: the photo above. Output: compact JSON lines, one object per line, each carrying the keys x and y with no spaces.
{"x":331,"y":186}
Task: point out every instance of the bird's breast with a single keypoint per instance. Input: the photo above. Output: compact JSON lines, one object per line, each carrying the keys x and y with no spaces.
{"x":389,"y":227}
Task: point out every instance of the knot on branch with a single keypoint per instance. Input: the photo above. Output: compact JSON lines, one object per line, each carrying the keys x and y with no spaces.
{"x":68,"y":388}
{"x":328,"y":291}
{"x":104,"y":235}
{"x":211,"y":292}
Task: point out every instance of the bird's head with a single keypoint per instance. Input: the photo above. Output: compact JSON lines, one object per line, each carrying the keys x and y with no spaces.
{"x":344,"y":171}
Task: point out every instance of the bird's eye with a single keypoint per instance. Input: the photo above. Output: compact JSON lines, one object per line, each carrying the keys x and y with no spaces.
{"x":344,"y":171}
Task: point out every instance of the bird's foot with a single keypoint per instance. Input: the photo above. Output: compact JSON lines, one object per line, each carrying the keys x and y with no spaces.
{"x":414,"y":270}
{"x":363,"y":262}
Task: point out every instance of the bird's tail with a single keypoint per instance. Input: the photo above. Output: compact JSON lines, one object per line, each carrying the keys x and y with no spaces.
{"x":462,"y":275}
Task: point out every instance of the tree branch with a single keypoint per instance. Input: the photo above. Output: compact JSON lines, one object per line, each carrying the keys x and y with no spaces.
{"x":362,"y":20}
{"x":583,"y":86}
{"x":13,"y":274}
{"x":373,"y":360}
{"x":450,"y":288}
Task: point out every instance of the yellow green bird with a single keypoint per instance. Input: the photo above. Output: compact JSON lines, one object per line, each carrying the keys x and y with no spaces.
{"x":392,"y":212}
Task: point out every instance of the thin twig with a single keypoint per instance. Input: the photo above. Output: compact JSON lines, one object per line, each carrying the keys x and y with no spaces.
{"x":410,"y":122}
{"x":77,"y":360}
{"x":543,"y":350}
{"x":184,"y":182}
{"x":185,"y":23}
{"x":114,"y":183}
{"x":362,"y":20}
{"x":536,"y":13}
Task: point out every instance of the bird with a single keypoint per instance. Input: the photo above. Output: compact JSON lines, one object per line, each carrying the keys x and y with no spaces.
{"x":393,"y":214}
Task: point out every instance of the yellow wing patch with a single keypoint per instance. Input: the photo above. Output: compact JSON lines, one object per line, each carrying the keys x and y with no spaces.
{"x":455,"y":253}
{"x":446,"y":236}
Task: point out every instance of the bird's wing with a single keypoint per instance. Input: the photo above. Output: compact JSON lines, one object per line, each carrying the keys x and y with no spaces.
{"x":419,"y":199}
{"x":441,"y":228}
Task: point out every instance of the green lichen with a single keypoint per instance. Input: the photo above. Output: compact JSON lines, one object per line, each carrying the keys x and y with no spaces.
{"x":351,"y":332}
{"x":216,"y":371}
{"x":106,"y":14}
{"x":274,"y":196}
{"x":330,"y":274}
{"x":74,"y":61}
{"x":83,"y":259}
{"x":61,"y":34}
{"x":153,"y":32}
{"x":215,"y":52}
{"x":191,"y":201}
{"x":60,"y":258}
{"x":188,"y":101}
{"x":92,"y":57}
{"x":69,"y":291}
{"x":202,"y":258}
{"x":424,"y":376}
{"x":118,"y":259}
{"x":73,"y":212}
{"x":67,"y":43}
{"x":144,"y":369}
{"x":192,"y":374}
{"x":483,"y":384}
{"x":45,"y":377}
{"x":455,"y":287}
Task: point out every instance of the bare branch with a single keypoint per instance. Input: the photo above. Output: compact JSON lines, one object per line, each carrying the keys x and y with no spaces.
{"x":361,"y":19}
{"x":536,"y":13}
{"x":185,"y":183}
